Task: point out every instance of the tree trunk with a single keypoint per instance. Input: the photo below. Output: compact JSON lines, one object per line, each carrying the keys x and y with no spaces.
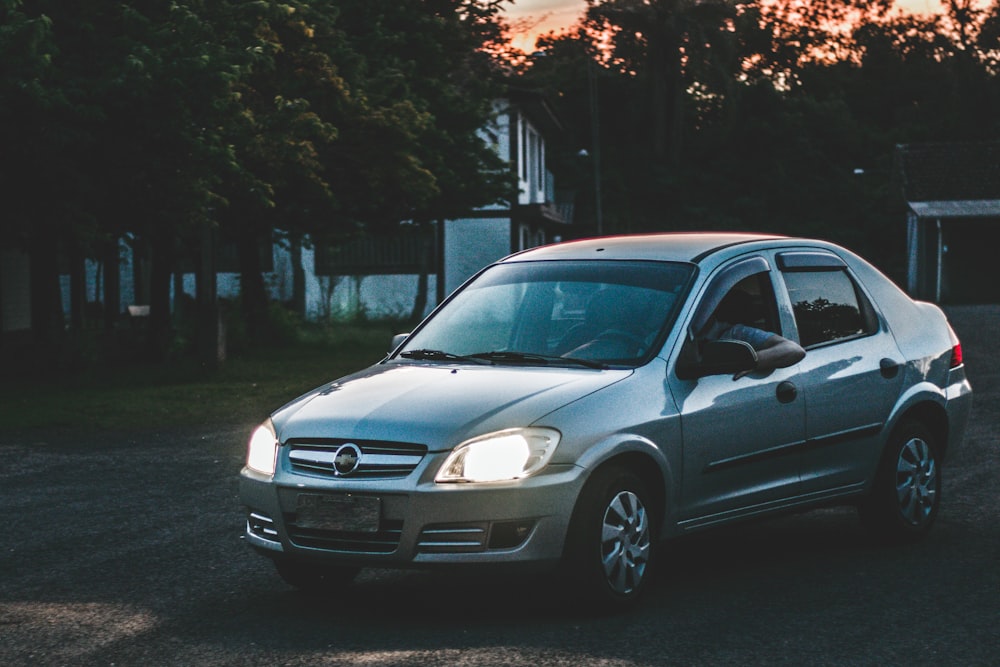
{"x":112,"y":285}
{"x":420,"y":301}
{"x":180,"y":298}
{"x":77,"y":288}
{"x":210,"y":344}
{"x":298,"y":277}
{"x":46,"y":297}
{"x":161,"y":261}
{"x":428,"y":240}
{"x":253,"y":293}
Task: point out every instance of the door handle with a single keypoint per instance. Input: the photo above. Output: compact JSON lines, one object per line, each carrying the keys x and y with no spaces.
{"x":889,"y":368}
{"x":786,"y":392}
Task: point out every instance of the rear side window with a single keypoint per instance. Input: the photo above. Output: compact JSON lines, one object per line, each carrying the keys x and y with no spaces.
{"x":828,"y":305}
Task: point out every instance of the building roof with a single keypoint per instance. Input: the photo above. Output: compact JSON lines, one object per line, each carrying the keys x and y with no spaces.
{"x":537,"y":107}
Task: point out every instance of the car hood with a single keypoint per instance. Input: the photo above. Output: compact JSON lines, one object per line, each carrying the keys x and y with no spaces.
{"x":437,"y":405}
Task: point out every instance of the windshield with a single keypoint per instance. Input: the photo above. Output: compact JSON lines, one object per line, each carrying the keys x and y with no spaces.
{"x":556,"y":312}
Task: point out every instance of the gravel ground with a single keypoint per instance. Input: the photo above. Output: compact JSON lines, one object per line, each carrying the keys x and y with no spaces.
{"x":125,"y":549}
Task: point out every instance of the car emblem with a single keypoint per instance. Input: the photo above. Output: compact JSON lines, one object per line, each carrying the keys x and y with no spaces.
{"x":346,"y":459}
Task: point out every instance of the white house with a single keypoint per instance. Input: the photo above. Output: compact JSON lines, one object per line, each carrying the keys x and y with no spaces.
{"x":456,"y":249}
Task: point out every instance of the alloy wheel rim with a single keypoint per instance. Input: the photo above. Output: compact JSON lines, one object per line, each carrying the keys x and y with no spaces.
{"x":916,"y":481}
{"x":625,"y":542}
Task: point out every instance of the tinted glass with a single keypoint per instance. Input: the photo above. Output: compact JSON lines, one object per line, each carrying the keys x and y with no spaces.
{"x":611,"y":312}
{"x":827,"y":306}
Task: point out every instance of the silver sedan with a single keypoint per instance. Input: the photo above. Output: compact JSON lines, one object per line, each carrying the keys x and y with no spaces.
{"x":572,"y":406}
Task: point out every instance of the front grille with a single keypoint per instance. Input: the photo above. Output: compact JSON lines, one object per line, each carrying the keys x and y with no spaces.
{"x":378,"y":459}
{"x":384,"y":541}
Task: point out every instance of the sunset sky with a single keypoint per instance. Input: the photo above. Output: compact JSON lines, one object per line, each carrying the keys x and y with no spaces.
{"x":541,"y":16}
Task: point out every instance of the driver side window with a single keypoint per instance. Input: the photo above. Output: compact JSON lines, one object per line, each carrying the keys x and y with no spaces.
{"x":751,"y":303}
{"x":746,"y":312}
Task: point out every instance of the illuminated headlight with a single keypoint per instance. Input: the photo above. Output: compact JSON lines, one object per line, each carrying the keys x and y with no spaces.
{"x":500,"y":456}
{"x":263,"y":449}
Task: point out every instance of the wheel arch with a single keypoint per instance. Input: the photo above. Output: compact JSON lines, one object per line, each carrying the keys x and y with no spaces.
{"x":932,"y":415}
{"x":647,"y":468}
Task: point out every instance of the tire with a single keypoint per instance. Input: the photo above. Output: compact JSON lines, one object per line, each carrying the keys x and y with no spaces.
{"x":906,"y":493}
{"x":611,"y":540}
{"x":314,"y":578}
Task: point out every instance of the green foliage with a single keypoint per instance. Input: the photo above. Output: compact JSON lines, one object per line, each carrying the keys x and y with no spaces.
{"x":157,"y":121}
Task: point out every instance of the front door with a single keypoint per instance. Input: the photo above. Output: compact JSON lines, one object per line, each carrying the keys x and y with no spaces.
{"x":741,"y":444}
{"x":742,"y":437}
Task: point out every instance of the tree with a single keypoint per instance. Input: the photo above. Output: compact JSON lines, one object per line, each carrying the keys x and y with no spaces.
{"x":28,"y":95}
{"x":356,"y":118}
{"x":776,"y":116}
{"x":414,"y":151}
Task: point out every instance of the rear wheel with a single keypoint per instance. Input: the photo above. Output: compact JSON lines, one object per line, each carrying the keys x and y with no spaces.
{"x":612,"y":538}
{"x":310,"y":577}
{"x":906,"y":493}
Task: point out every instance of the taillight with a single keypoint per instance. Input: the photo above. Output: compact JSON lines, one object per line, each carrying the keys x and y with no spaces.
{"x":956,"y":355}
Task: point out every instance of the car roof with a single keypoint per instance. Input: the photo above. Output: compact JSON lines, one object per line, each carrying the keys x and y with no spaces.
{"x":667,"y":246}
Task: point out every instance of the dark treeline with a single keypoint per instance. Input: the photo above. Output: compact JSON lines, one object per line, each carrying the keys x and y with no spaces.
{"x":767,"y":115}
{"x":174,"y":125}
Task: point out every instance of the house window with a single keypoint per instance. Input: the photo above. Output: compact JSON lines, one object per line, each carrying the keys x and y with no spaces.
{"x":540,"y":164}
{"x":534,"y":152}
{"x":523,"y":150}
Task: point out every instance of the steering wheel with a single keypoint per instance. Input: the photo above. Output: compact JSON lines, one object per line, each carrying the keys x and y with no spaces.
{"x":621,"y":335}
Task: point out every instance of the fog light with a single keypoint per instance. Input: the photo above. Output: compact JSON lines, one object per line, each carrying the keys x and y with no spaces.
{"x":510,"y":534}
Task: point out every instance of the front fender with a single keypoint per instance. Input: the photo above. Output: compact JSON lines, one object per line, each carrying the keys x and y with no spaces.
{"x":649,"y":461}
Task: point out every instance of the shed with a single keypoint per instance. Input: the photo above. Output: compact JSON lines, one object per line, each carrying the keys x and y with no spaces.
{"x":952,"y":196}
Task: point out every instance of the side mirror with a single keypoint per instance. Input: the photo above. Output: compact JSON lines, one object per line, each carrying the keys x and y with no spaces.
{"x":397,"y":340}
{"x":719,"y":357}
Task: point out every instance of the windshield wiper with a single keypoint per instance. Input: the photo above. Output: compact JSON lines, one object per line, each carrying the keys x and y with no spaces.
{"x":436,"y":355}
{"x":504,"y":357}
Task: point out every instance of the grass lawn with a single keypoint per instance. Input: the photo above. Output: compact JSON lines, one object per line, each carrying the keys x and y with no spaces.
{"x":243,"y":390}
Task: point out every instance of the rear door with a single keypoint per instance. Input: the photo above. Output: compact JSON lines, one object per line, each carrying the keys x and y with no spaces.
{"x":851,"y":374}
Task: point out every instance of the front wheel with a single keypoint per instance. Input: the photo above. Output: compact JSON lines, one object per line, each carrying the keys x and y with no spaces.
{"x":906,"y":493}
{"x":612,"y":538}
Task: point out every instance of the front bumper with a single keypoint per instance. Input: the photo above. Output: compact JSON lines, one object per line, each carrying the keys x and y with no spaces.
{"x":421,"y":523}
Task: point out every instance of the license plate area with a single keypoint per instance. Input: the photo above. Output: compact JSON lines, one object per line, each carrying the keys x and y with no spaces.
{"x":344,"y":512}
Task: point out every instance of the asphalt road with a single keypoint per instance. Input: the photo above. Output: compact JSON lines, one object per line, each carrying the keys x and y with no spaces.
{"x":126,"y":550}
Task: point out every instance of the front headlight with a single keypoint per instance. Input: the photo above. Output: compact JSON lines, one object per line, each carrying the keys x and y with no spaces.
{"x":500,"y":456}
{"x":263,"y":449}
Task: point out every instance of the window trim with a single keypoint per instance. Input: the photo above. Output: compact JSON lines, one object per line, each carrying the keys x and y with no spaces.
{"x":809,"y":261}
{"x":720,"y":285}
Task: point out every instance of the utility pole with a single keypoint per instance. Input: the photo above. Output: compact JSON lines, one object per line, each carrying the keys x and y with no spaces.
{"x":595,"y":140}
